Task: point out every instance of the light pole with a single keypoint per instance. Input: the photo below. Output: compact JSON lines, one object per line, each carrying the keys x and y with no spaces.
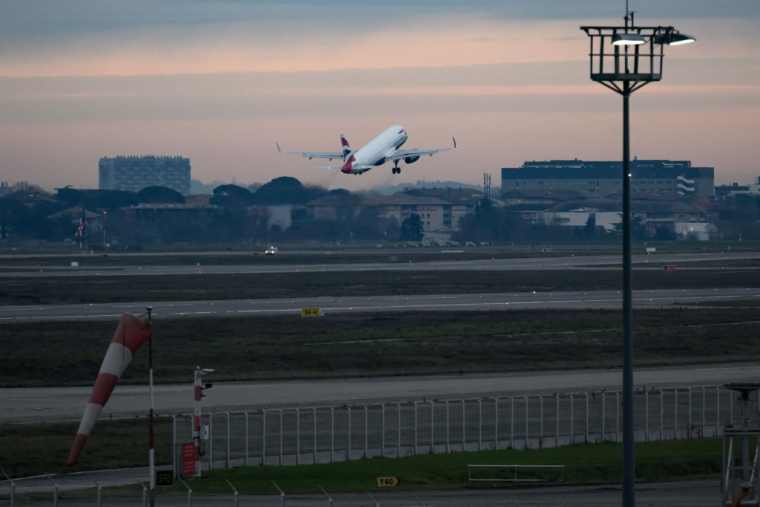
{"x":625,"y":59}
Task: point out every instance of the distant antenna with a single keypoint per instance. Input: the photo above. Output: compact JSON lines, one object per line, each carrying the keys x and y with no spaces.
{"x":487,"y":185}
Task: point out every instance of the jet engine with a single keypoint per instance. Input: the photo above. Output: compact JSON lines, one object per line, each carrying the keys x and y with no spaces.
{"x":411,"y":160}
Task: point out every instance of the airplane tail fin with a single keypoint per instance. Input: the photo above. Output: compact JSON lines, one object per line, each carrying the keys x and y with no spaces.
{"x":345,"y":146}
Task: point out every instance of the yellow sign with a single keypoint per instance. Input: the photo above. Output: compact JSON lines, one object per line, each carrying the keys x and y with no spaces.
{"x":163,"y":477}
{"x":311,"y":312}
{"x":387,"y":482}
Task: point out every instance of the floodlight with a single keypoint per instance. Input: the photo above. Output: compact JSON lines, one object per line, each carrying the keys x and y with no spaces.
{"x":674,"y":38}
{"x":627,"y":39}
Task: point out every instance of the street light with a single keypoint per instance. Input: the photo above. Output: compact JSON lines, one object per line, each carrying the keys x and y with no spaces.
{"x":625,"y":59}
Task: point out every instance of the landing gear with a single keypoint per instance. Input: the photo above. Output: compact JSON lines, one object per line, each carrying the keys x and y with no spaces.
{"x":396,"y":169}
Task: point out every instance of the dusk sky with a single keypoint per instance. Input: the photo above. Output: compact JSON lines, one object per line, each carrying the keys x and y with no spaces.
{"x":221,"y":81}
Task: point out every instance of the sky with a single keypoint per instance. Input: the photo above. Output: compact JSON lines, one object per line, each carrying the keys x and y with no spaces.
{"x":221,"y":81}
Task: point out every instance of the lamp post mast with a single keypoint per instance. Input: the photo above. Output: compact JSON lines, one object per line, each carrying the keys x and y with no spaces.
{"x":636,"y":55}
{"x":629,"y":462}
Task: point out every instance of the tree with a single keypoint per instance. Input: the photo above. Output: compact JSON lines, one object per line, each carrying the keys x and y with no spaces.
{"x":411,"y":228}
{"x":158,"y":194}
{"x":287,"y":190}
{"x":487,"y":223}
{"x":590,"y":228}
{"x":109,"y":199}
{"x":70,"y":196}
{"x":232,"y":196}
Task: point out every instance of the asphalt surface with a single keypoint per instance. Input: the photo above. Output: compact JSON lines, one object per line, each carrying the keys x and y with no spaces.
{"x":328,"y":305}
{"x":657,"y":261}
{"x":60,"y":403}
{"x":702,"y":493}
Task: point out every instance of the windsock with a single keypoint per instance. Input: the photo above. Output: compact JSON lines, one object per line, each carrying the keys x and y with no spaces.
{"x":130,"y":334}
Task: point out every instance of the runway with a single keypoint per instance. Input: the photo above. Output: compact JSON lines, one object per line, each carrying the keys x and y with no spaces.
{"x":332,"y":305}
{"x":652,"y":261}
{"x":59,"y":403}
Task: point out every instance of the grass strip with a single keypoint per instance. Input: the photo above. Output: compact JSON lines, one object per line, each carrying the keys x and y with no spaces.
{"x":374,"y":344}
{"x":33,"y":449}
{"x":201,"y":287}
{"x":584,"y":464}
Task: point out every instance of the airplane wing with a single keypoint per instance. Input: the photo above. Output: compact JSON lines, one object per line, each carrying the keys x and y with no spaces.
{"x":313,"y":154}
{"x":398,"y":155}
{"x":367,"y":167}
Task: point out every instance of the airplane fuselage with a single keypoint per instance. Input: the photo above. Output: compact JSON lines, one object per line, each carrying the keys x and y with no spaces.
{"x":376,"y":152}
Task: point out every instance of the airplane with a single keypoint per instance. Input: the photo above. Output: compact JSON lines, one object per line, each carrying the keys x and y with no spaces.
{"x":381,"y":149}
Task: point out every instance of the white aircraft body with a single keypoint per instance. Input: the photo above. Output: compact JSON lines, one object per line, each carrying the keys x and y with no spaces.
{"x":381,"y":149}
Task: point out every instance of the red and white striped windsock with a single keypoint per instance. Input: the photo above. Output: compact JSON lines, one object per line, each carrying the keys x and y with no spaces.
{"x":131,"y":333}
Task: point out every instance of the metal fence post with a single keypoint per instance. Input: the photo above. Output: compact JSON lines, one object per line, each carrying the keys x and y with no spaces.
{"x":512,"y":422}
{"x":526,"y":422}
{"x":690,"y":407}
{"x":280,"y":411}
{"x":464,"y":424}
{"x":263,"y":437}
{"x":348,"y":446}
{"x":480,"y":423}
{"x":415,"y":428}
{"x":55,"y":491}
{"x":587,"y":409}
{"x":399,"y":430}
{"x":282,"y":494}
{"x":298,"y":436}
{"x":13,"y":489}
{"x":382,"y":432}
{"x":235,"y":494}
{"x":604,"y":414}
{"x":617,"y":417}
{"x":247,"y":439}
{"x":314,"y":413}
{"x":332,"y":434}
{"x":730,"y":408}
{"x":227,"y":460}
{"x":662,"y":415}
{"x":572,"y":420}
{"x":717,"y":411}
{"x":432,"y":427}
{"x":366,"y":430}
{"x":556,"y":416}
{"x":675,"y":408}
{"x":210,"y":441}
{"x":541,"y":422}
{"x":189,"y":493}
{"x":646,"y":411}
{"x":704,"y":409}
{"x":448,"y":447}
{"x":496,"y":423}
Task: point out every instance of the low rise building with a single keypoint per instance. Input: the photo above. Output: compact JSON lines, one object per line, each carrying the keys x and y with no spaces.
{"x":597,"y":180}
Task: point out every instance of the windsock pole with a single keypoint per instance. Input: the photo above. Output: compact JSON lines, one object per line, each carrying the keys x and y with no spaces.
{"x":151,"y":453}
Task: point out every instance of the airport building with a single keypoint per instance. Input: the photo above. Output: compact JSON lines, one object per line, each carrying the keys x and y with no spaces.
{"x":136,"y":173}
{"x":598,"y":180}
